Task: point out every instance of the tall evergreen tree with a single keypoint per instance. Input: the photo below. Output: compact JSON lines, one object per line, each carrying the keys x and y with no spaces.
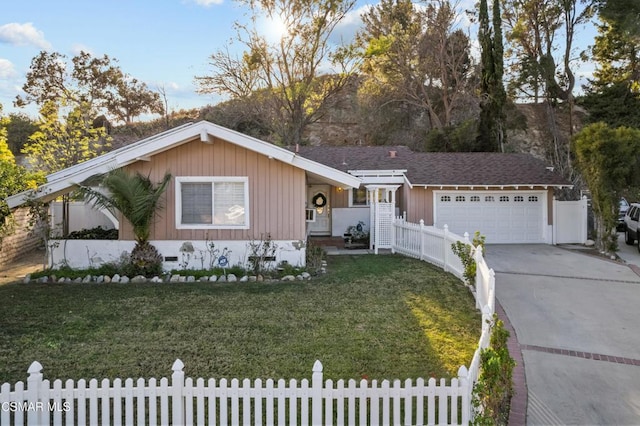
{"x":491,"y":135}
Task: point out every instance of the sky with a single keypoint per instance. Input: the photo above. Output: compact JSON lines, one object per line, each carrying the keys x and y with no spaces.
{"x":164,"y":43}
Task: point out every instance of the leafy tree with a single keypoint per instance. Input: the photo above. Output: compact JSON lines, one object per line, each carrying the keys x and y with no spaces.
{"x":91,"y":82}
{"x":61,"y":143}
{"x":285,"y":74}
{"x":19,"y":128}
{"x":615,"y":104}
{"x":540,"y":51}
{"x":613,"y":95}
{"x":132,"y":98}
{"x":138,"y":200}
{"x":13,"y":178}
{"x":491,"y":128}
{"x":50,"y":80}
{"x":415,"y":60}
{"x":608,"y":160}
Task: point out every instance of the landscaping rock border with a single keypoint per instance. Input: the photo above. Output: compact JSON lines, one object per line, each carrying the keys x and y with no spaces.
{"x":168,"y":278}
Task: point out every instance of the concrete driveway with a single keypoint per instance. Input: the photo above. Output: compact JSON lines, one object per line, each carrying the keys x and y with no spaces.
{"x":577,"y":318}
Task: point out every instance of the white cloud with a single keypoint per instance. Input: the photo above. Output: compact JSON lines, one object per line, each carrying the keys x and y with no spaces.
{"x":207,"y":3}
{"x":7,"y":69}
{"x":23,"y":35}
{"x":77,"y":48}
{"x":345,"y":31}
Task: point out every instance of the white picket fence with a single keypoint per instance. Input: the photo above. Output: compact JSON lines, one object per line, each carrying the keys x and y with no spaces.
{"x":185,"y":401}
{"x":434,"y":246}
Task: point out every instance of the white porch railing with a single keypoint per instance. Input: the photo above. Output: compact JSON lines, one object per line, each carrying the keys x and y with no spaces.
{"x":185,"y":401}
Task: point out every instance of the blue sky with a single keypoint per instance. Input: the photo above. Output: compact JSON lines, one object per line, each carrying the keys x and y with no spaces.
{"x":161,"y":42}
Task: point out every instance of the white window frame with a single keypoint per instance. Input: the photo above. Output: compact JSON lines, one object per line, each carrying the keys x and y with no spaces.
{"x":352,"y":204}
{"x":212,"y":180}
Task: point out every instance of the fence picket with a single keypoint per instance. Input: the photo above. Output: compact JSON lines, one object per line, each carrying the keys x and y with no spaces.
{"x":246,"y":402}
{"x":212,"y":401}
{"x":443,"y":406}
{"x":408,"y":406}
{"x":163,"y":394}
{"x":268,"y":402}
{"x":92,"y":395}
{"x":223,"y":402}
{"x":419,"y":393}
{"x":280,"y":393}
{"x":128,"y":401}
{"x":199,"y":392}
{"x":386,"y":396}
{"x":374,"y":404}
{"x":82,"y":402}
{"x":258,"y":403}
{"x":153,"y":401}
{"x":340,"y":395}
{"x":187,"y":393}
{"x":395,"y":398}
{"x":68,"y":395}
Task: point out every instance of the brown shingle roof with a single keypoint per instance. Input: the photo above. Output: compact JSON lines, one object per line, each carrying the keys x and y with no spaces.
{"x":440,"y":168}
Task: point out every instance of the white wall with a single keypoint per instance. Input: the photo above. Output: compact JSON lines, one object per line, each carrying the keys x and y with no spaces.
{"x":88,"y":253}
{"x":81,"y":216}
{"x":342,"y":218}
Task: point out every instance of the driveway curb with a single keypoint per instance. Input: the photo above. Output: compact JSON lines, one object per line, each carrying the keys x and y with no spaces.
{"x":518,"y":407}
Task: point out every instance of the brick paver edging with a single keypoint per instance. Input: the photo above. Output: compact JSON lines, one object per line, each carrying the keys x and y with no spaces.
{"x":518,"y":408}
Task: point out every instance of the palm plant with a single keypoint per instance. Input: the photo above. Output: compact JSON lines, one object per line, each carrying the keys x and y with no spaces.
{"x":138,"y":200}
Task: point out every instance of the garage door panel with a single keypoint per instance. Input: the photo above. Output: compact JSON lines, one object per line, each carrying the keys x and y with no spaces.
{"x":501,"y":217}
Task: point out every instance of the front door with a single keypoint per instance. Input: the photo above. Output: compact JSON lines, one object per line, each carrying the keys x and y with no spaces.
{"x":318,"y":199}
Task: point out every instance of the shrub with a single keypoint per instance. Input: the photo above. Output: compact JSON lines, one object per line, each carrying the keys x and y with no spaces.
{"x":465,"y":253}
{"x":314,"y":257}
{"x":97,"y":233}
{"x":493,"y":391}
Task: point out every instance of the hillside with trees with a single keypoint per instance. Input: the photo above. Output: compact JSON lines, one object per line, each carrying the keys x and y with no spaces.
{"x":411,"y":76}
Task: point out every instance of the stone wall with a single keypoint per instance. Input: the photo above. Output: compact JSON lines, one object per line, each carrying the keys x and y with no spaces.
{"x":20,"y":241}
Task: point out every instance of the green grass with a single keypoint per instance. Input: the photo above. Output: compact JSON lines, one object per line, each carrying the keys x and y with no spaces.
{"x":377,"y":317}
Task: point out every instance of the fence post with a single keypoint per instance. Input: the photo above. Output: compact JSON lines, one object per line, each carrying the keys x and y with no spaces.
{"x":177,"y":397}
{"x":34,"y":383}
{"x":445,"y":249}
{"x":466,"y":385}
{"x":481,"y":288}
{"x":393,"y":233}
{"x":421,"y":239}
{"x":316,"y":394}
{"x":584,"y":219}
{"x":554,"y":213}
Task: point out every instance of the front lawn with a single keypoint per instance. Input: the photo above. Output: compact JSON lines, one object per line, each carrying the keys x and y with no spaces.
{"x":375,"y":317}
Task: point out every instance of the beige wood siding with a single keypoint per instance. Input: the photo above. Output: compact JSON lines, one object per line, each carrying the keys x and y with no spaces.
{"x":339,"y":198}
{"x":276,"y":191}
{"x":419,"y":204}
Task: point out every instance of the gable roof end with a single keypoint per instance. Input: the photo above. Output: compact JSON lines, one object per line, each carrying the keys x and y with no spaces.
{"x":62,"y":181}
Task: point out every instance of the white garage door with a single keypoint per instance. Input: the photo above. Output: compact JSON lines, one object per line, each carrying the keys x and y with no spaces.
{"x":503,"y":217}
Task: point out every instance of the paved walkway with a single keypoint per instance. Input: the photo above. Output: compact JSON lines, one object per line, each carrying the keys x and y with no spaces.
{"x":18,"y":269}
{"x":576,"y":319}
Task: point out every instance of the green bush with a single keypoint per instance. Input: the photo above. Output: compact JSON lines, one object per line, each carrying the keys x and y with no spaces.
{"x":464,"y":252}
{"x":97,"y":233}
{"x":493,"y":391}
